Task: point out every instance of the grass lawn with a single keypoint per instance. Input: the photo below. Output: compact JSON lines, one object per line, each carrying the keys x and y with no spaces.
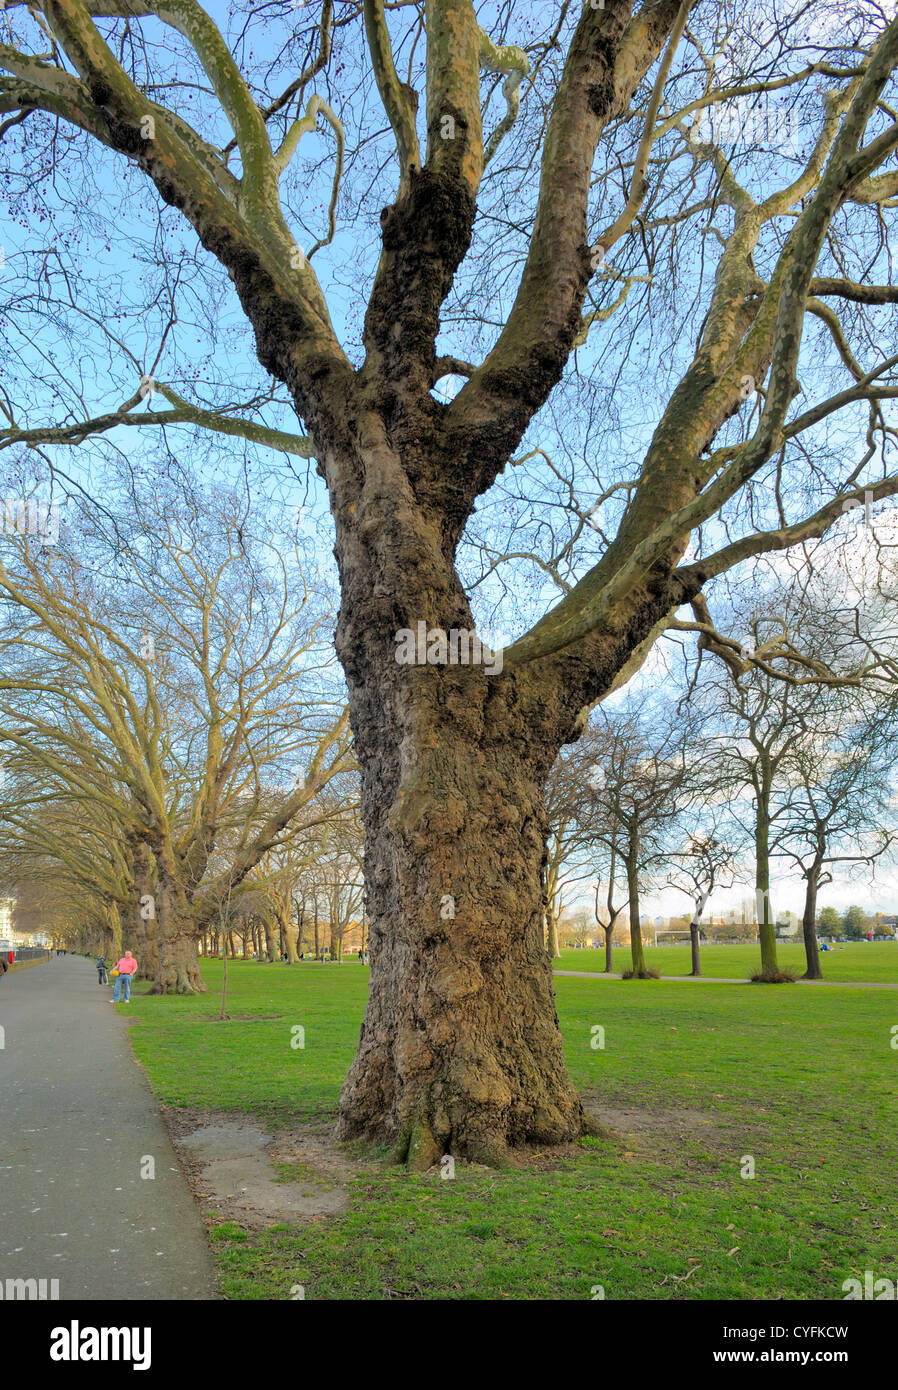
{"x":691,"y":1081}
{"x":868,"y":960}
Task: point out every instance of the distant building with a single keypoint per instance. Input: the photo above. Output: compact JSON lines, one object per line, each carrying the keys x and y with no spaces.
{"x":7,"y":931}
{"x":670,"y":931}
{"x":352,"y":938}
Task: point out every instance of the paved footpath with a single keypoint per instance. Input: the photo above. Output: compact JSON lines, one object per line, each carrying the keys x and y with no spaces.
{"x":729,"y":980}
{"x":78,"y":1123}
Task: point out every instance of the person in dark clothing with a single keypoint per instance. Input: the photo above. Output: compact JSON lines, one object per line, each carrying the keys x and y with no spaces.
{"x":102,"y":978}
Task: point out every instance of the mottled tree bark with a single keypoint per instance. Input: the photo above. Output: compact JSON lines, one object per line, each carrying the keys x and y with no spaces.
{"x":178,"y":969}
{"x":814,"y":970}
{"x":460,"y":1048}
{"x":146,"y":929}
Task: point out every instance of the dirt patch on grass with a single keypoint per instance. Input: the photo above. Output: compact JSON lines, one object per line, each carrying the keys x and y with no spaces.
{"x":653,"y":1129}
{"x":240,"y":1172}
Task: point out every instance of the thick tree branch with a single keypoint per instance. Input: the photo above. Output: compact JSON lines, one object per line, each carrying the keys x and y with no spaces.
{"x":608,"y":57}
{"x":396,"y":99}
{"x":184,"y":413}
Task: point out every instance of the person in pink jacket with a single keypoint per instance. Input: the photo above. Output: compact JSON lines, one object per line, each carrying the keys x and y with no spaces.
{"x":126,"y":967}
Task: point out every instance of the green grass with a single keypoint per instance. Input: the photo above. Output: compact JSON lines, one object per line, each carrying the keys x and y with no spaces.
{"x":803,"y":1080}
{"x":873,"y":961}
{"x":250,"y":1064}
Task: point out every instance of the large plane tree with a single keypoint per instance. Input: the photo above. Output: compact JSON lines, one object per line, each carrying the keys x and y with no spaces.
{"x":715,"y":183}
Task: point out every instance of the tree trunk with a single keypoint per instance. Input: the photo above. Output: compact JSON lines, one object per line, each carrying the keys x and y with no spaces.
{"x":609,"y":950}
{"x":552,"y":905}
{"x":147,"y":949}
{"x":636,"y":950}
{"x":694,"y":940}
{"x":552,"y":948}
{"x":286,"y":931}
{"x":766,"y":929}
{"x":146,"y":929}
{"x":460,"y":1048}
{"x":814,"y":970}
{"x":178,"y":970}
{"x":222,"y":1014}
